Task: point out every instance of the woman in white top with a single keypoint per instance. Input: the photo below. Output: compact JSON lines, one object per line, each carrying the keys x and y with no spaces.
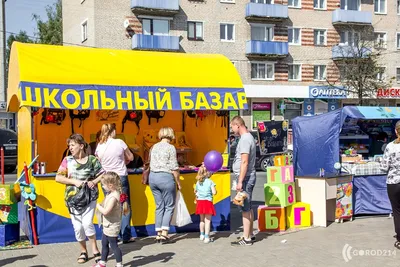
{"x":113,"y":155}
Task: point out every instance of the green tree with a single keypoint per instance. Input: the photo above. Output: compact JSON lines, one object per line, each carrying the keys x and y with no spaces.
{"x":20,"y":37}
{"x":50,"y":30}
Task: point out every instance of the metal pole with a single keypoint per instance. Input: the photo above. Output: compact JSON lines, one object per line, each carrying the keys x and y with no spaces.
{"x":4,"y":43}
{"x":2,"y":164}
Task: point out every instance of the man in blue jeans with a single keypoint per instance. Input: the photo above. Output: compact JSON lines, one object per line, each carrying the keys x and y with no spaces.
{"x":245,"y":174}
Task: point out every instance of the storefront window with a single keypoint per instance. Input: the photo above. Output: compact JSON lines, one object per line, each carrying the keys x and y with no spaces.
{"x":292,"y":111}
{"x":261,"y":112}
{"x":232,"y":114}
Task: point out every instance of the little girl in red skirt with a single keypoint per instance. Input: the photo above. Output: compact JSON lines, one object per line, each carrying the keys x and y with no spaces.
{"x":205,"y":190}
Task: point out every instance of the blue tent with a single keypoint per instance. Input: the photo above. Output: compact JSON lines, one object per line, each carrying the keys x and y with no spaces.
{"x":316,"y":138}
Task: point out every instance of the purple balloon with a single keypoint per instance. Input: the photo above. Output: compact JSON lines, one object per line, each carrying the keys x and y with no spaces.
{"x":213,"y":161}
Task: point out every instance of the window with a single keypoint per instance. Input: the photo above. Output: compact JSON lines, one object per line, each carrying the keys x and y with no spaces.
{"x":227,"y":32}
{"x":398,"y":7}
{"x":380,"y":39}
{"x":262,"y":71}
{"x":263,"y":1}
{"x":319,"y":37}
{"x":350,"y":5}
{"x":398,"y":75}
{"x":262,"y":33}
{"x":398,"y":40}
{"x":380,"y":75}
{"x":294,"y":72}
{"x":294,"y":3}
{"x":319,"y":4}
{"x":84,"y":29}
{"x":261,"y":112}
{"x":380,"y":6}
{"x":155,"y":27}
{"x":320,"y":72}
{"x":294,"y":36}
{"x":343,"y":72}
{"x":350,"y":38}
{"x":292,"y":111}
{"x":195,"y":30}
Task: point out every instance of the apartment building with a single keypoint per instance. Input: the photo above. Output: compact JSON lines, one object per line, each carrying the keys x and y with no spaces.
{"x":284,"y":50}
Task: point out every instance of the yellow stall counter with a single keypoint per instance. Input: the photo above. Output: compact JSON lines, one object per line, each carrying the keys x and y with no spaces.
{"x":53,"y":213}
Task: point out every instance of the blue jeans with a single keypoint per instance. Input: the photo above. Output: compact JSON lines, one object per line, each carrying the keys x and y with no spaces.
{"x":247,"y":186}
{"x":163,"y":187}
{"x":126,"y":219}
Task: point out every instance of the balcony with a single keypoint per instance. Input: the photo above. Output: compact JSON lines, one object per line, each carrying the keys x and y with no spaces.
{"x":354,"y":17}
{"x":155,"y":7}
{"x":267,"y":49}
{"x":155,"y":42}
{"x":341,"y":52}
{"x":266,"y":12}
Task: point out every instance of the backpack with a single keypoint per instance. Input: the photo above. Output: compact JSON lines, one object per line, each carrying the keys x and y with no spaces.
{"x":133,"y":116}
{"x":196,"y":114}
{"x":155,"y":114}
{"x":225,"y":117}
{"x":50,"y":115}
{"x":81,"y":116}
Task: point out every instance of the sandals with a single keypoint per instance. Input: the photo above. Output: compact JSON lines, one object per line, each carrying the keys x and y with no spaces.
{"x":97,"y":257}
{"x":83,"y":258}
{"x":158,"y":238}
{"x":397,"y":244}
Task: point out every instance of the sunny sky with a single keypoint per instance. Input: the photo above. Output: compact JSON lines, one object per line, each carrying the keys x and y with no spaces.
{"x":19,"y":14}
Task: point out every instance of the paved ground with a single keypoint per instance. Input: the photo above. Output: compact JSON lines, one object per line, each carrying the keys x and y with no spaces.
{"x":364,"y":242}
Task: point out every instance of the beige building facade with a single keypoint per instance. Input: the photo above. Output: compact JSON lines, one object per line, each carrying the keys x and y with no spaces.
{"x":282,"y":49}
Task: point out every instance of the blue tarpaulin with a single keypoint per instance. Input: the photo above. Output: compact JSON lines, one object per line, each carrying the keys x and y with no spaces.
{"x":316,"y":138}
{"x":316,"y":145}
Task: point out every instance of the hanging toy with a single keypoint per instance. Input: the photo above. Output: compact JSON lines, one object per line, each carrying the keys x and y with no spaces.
{"x":196,"y":114}
{"x":34,"y":111}
{"x":155,"y":114}
{"x":29,"y":193}
{"x":81,"y":115}
{"x":133,"y":116}
{"x":225,"y":117}
{"x":53,"y":116}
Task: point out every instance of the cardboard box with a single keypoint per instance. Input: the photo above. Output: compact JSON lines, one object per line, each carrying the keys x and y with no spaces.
{"x":9,"y":213}
{"x":356,"y":158}
{"x":7,"y":194}
{"x":9,"y":234}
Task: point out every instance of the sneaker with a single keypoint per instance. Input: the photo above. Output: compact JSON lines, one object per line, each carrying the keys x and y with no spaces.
{"x":99,"y":264}
{"x":201,"y":237}
{"x":206,"y":240}
{"x":253,"y":238}
{"x":242,"y":242}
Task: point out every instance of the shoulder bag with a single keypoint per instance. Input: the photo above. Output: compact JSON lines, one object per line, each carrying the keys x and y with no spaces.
{"x":78,"y":203}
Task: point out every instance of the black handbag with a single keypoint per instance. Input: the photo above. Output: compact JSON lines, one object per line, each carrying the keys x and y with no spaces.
{"x":80,"y":201}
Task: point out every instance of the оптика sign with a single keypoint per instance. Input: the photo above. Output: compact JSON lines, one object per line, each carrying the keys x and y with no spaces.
{"x":325,"y":92}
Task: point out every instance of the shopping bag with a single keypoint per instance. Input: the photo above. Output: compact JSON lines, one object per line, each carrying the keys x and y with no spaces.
{"x":181,"y":216}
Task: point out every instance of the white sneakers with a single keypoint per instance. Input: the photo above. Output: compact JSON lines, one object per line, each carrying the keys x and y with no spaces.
{"x":206,"y":240}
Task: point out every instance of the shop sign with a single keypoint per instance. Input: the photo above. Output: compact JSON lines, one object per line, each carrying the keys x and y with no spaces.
{"x":327,"y":92}
{"x":309,"y":107}
{"x":107,"y":97}
{"x":261,"y":106}
{"x":333,"y":104}
{"x":388,"y":93}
